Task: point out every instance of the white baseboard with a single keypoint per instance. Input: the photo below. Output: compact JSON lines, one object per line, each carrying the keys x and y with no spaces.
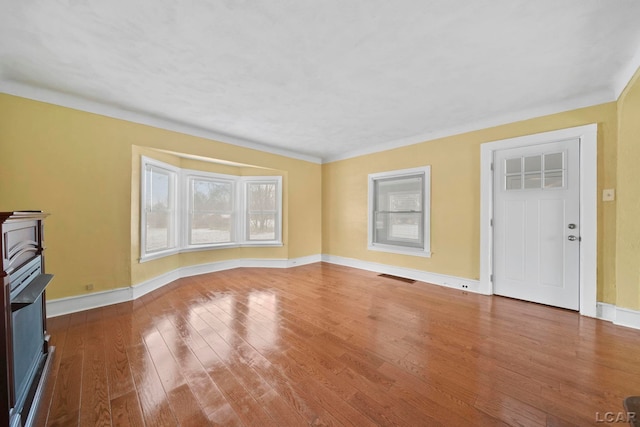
{"x":296,"y":262}
{"x":212,"y":267}
{"x":143,"y":288}
{"x":627,"y":317}
{"x":606,"y":311}
{"x":422,"y":276}
{"x":618,"y":315}
{"x":59,"y":307}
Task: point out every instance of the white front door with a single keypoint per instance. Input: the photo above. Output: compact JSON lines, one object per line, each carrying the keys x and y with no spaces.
{"x":536,"y":218}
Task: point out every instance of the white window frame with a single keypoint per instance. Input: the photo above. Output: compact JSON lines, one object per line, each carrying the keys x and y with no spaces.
{"x":175,"y":232}
{"x":182,"y":218}
{"x":245,"y":210}
{"x":426,"y":206}
{"x":187,"y":176}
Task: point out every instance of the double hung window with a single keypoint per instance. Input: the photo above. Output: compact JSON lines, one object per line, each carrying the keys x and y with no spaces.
{"x":399,"y":211}
{"x":211,"y":213}
{"x":159,"y":210}
{"x":262,"y":219}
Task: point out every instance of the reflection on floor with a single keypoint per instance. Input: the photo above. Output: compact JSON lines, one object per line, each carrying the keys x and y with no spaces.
{"x":329,"y":345}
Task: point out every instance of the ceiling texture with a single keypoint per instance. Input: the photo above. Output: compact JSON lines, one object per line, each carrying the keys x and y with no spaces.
{"x":324,"y":79}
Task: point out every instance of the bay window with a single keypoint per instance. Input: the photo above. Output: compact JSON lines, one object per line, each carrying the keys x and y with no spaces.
{"x":183,"y":210}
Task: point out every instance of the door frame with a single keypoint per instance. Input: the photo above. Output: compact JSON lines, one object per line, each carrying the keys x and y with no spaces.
{"x":588,"y":136}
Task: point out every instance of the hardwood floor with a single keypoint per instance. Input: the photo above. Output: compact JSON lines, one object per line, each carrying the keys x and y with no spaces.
{"x":329,"y":345}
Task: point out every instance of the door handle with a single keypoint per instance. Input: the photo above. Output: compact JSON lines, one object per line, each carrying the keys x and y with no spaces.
{"x":572,"y":238}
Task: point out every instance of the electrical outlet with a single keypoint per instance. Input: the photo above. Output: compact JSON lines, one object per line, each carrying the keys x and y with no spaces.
{"x":608,"y":195}
{"x":89,"y":287}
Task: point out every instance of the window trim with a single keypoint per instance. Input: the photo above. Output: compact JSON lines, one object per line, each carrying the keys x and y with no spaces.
{"x":246,"y":180}
{"x":181,"y":196}
{"x":143,"y":204}
{"x":186,"y":176}
{"x":426,"y":203}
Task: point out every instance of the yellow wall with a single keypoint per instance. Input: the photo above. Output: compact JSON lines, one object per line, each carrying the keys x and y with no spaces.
{"x":455,"y":196}
{"x":78,"y":167}
{"x":628,"y":197}
{"x":84,"y":169}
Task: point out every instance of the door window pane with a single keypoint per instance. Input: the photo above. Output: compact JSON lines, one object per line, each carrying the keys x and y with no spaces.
{"x":533,"y":164}
{"x":553,"y":179}
{"x":553,"y":161}
{"x":532,"y":176}
{"x":532,"y":181}
{"x":514,"y":182}
{"x":514,"y":165}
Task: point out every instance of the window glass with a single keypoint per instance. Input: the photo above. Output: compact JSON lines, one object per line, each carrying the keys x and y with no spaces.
{"x":212,"y":212}
{"x":514,"y":182}
{"x":553,"y":179}
{"x":159,"y":211}
{"x":398,"y":217}
{"x":553,"y":161}
{"x":533,"y":164}
{"x":399,"y":211}
{"x":532,"y":181}
{"x":513,"y":165}
{"x":261,"y":214}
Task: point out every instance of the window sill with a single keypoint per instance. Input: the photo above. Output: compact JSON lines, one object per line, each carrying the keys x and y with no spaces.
{"x":401,"y":251}
{"x":195,"y":248}
{"x":270,"y":243}
{"x":157,"y":255}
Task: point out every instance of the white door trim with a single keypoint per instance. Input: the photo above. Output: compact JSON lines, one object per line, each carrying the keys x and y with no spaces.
{"x":588,"y":136}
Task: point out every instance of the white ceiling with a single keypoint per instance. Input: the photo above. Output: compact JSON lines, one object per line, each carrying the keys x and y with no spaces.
{"x":322,"y":79}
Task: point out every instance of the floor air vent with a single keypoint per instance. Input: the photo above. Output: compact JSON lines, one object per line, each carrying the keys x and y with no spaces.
{"x":402,"y":279}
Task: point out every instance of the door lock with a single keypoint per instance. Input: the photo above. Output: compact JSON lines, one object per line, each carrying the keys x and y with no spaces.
{"x":572,"y":226}
{"x":572,"y":238}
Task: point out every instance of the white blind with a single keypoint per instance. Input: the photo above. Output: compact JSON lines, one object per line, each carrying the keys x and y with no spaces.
{"x":399,"y":211}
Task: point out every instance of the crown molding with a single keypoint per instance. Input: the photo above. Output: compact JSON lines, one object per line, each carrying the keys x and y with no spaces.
{"x":71,"y":101}
{"x":592,"y":99}
{"x":22,"y":90}
{"x":624,"y":77}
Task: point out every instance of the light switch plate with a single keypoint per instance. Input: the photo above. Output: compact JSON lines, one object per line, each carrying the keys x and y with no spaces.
{"x":608,"y":195}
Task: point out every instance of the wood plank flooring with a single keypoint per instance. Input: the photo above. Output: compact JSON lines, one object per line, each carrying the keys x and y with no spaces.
{"x":328,"y":345}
